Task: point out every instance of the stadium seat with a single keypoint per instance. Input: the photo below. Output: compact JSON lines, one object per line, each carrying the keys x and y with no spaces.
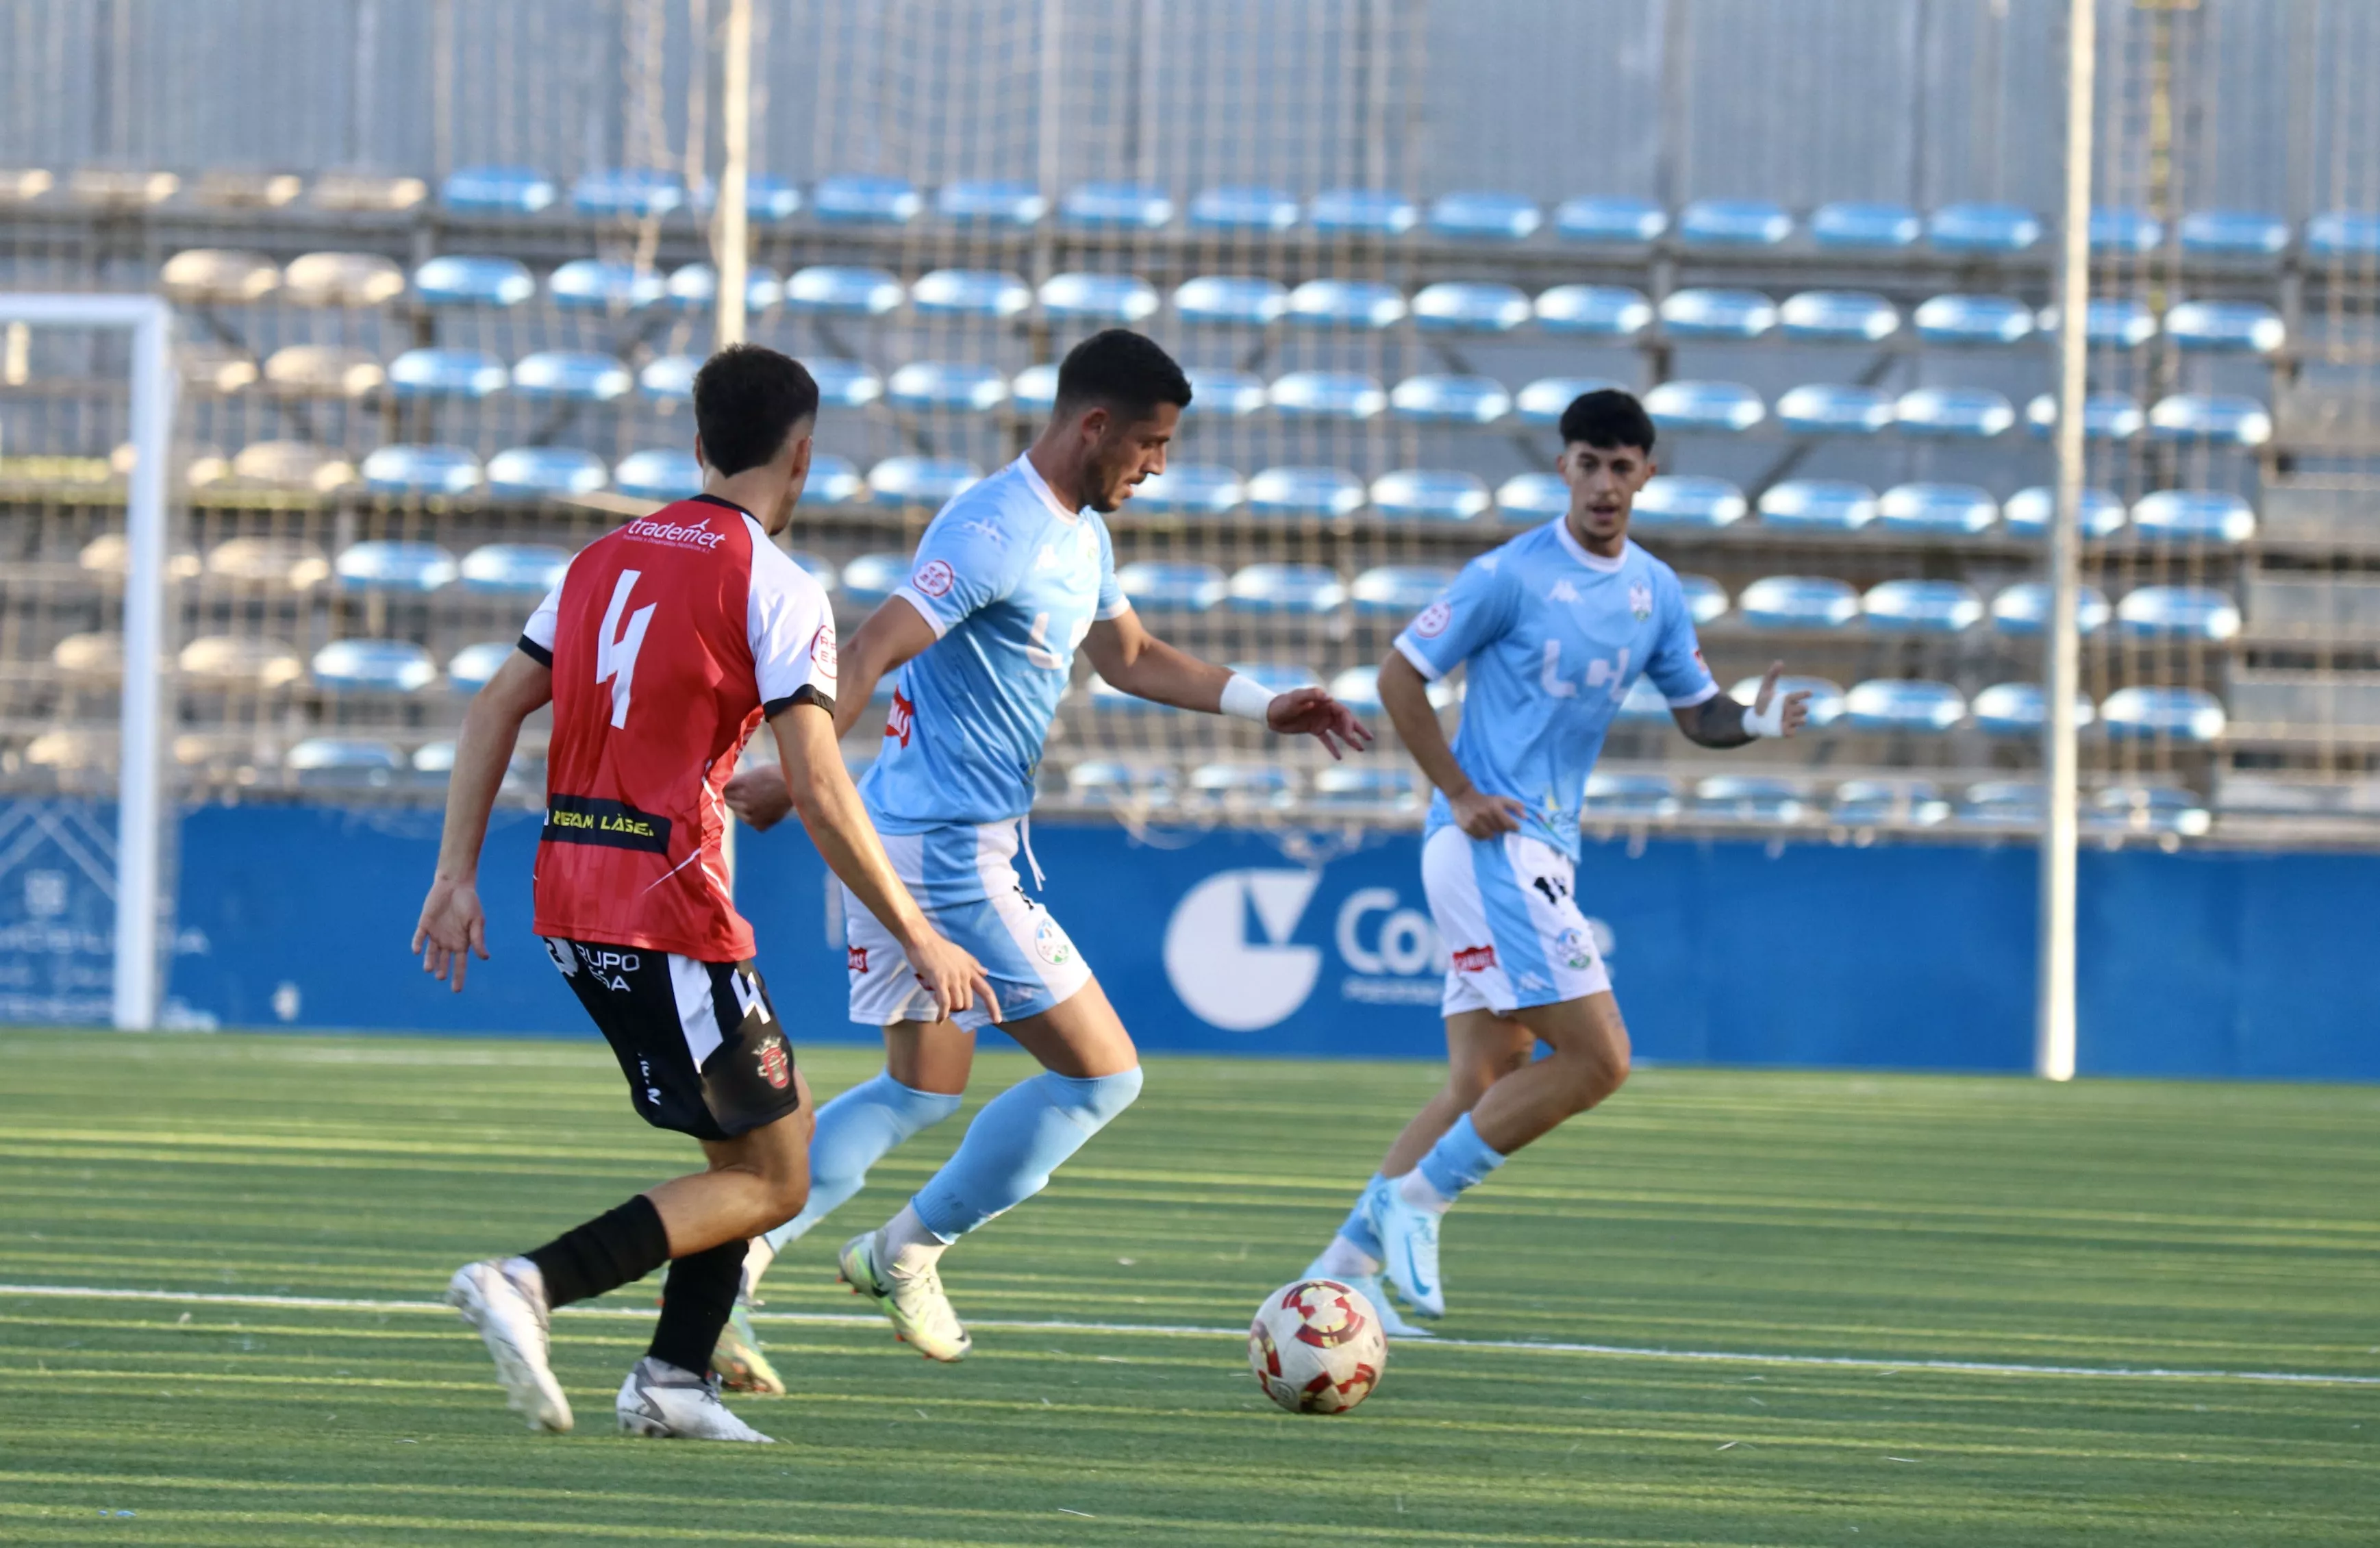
{"x":110,"y":554}
{"x":538,"y":473}
{"x":1328,"y":395}
{"x":2125,"y":231}
{"x":344,"y":762}
{"x":446,"y":373}
{"x":2117,"y":322}
{"x":468,"y":669}
{"x":496,"y":191}
{"x":2178,"y":613}
{"x":1399,"y":590}
{"x":285,"y":564}
{"x":1851,"y":223}
{"x":323,"y":371}
{"x":412,"y":470}
{"x":1501,"y":216}
{"x":207,"y":367}
{"x":291,"y":465}
{"x":457,"y":281}
{"x":1157,"y":586}
{"x":1599,"y":311}
{"x":1361,"y":213}
{"x":1190,"y":489}
{"x":2187,"y":714}
{"x":991,"y":202}
{"x":1728,"y":406}
{"x":239,"y":660}
{"x":1602,"y":218}
{"x":595,"y":285}
{"x":1097,"y":298}
{"x":1972,"y":320}
{"x":2235,"y":233}
{"x":1244,"y":209}
{"x":825,"y":572}
{"x":919,"y":480}
{"x":641,"y":192}
{"x":1705,"y":599}
{"x":1825,"y":703}
{"x":1856,"y":316}
{"x":695,"y":287}
{"x":1936,"y":507}
{"x":834,"y":481}
{"x":1614,"y":792}
{"x":1470,"y":306}
{"x":1530,"y":496}
{"x":1301,"y":588}
{"x":1543,"y":401}
{"x":1450,"y":400}
{"x":658,"y":473}
{"x":120,"y":187}
{"x":1242,"y":300}
{"x":1344,"y":788}
{"x":514,"y":569}
{"x":1961,"y":413}
{"x":1922,"y":608}
{"x":765,"y":197}
{"x":871,"y":577}
{"x":1309,"y":491}
{"x":2245,"y":326}
{"x":571,"y":376}
{"x":1983,"y":228}
{"x":2105,"y":417}
{"x":1704,"y":313}
{"x":1346,"y":303}
{"x":842,"y":290}
{"x":1752,"y":798}
{"x":970,"y":293}
{"x":928,"y":386}
{"x":2028,"y":511}
{"x":669,"y":378}
{"x":2019,"y":709}
{"x":2193,"y":516}
{"x":844,"y":383}
{"x":1866,"y":803}
{"x":1112,"y":782}
{"x":2023,"y":609}
{"x":1903,"y":704}
{"x":2343,"y":234}
{"x":1734,"y":223}
{"x":1237,"y":786}
{"x":89,"y":655}
{"x":369,"y":666}
{"x":1686,"y":500}
{"x":1797,"y":601}
{"x":384,"y":565}
{"x":218,"y":276}
{"x":2214,"y":416}
{"x":1427,"y":494}
{"x":1830,"y":504}
{"x":850,"y":200}
{"x":1033,"y":390}
{"x":1215,"y":390}
{"x":1116,"y":207}
{"x":2002,"y":803}
{"x":2155,"y":809}
{"x":1831,"y":408}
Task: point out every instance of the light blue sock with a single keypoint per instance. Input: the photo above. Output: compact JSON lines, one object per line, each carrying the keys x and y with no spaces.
{"x":855,"y":1130}
{"x":1014,"y":1145}
{"x":1357,"y":1230}
{"x":1459,"y":1159}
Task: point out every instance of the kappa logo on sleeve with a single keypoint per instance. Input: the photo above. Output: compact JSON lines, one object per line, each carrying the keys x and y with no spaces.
{"x":1433,"y":620}
{"x":934,"y":577}
{"x":823,"y":653}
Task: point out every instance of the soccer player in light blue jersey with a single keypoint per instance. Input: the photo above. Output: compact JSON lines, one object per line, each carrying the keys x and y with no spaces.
{"x":1553,"y":627}
{"x":1011,"y":579}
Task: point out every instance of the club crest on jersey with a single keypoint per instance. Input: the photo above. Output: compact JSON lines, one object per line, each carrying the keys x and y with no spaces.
{"x":1475,"y":959}
{"x":1577,"y":952}
{"x":1049,"y":944}
{"x":934,"y":577}
{"x":902,"y":716}
{"x":1433,"y":620}
{"x":1640,"y":600}
{"x":822,"y":654}
{"x":856,"y":958}
{"x":776,"y":1068}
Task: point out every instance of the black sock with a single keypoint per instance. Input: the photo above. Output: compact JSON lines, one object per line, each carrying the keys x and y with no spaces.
{"x":696,"y":1301}
{"x":610,"y":1250}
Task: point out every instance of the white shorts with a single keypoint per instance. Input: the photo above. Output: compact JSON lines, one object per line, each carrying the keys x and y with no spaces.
{"x":964,"y":879}
{"x":1513,"y":932}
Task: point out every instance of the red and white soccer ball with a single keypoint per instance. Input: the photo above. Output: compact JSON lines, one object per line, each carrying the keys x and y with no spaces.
{"x":1317,"y":1346}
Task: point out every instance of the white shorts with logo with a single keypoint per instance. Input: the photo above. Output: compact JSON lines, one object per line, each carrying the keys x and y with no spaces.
{"x":964,"y":879}
{"x":1513,"y":932}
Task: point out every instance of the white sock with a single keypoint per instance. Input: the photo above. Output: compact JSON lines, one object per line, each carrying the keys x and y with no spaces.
{"x":1415,"y":1189}
{"x":758,"y":1256}
{"x":908,"y":1246}
{"x":1343,"y":1259}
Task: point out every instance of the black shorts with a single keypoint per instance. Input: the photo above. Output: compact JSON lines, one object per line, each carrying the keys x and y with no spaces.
{"x":702,"y":1049}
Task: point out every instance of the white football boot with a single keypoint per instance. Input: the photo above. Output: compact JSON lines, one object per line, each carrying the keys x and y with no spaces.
{"x":1409,"y":1243}
{"x":1371,"y":1287}
{"x":921,"y":1312}
{"x":662,"y":1402}
{"x":510,"y":1312}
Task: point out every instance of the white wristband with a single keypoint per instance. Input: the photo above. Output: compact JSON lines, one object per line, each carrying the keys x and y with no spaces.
{"x":1246,"y":697}
{"x":1770,"y":722}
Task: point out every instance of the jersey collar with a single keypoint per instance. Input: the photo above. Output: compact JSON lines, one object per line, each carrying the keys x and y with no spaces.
{"x":1578,"y":550}
{"x":723,"y":505}
{"x":1040,"y":486}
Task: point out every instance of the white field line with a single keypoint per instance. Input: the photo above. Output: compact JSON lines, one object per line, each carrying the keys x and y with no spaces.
{"x":1614,"y":1351}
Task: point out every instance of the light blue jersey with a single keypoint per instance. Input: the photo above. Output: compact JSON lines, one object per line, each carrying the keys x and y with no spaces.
{"x":1555,"y":637}
{"x":1011,"y":581}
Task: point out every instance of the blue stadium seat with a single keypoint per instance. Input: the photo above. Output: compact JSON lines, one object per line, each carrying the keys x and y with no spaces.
{"x":1117,"y":207}
{"x":1214,"y":390}
{"x":1686,"y":500}
{"x":1345,"y":787}
{"x":1605,"y":218}
{"x":1033,"y":390}
{"x":1612,"y":793}
{"x":344,"y":762}
{"x":2118,"y":322}
{"x":1795,"y":601}
{"x":373,"y":666}
{"x":1244,"y":209}
{"x":571,"y":376}
{"x":446,"y":373}
{"x":992,"y":204}
{"x":1734,"y":223}
{"x":1852,"y":224}
{"x":2188,"y":714}
{"x":842,"y":290}
{"x":642,"y":192}
{"x":669,"y":378}
{"x":1983,"y":228}
{"x":1191,"y":489}
{"x":2248,"y":326}
{"x":1905,"y":704}
{"x":920,"y":481}
{"x":970,"y":293}
{"x":1450,"y":399}
{"x":1426,"y":495}
{"x":497,"y":190}
{"x":381,"y":565}
{"x":1704,"y":313}
{"x":1963,"y":413}
{"x":2178,"y":613}
{"x":1826,"y":703}
{"x":1499,"y":216}
{"x":2105,"y":417}
{"x":695,"y":287}
{"x":1856,"y":316}
{"x":1861,"y":803}
{"x":1728,"y":406}
{"x":1312,"y":492}
{"x":1300,"y":588}
{"x":2028,"y":511}
{"x":2215,"y":417}
{"x":861,"y":200}
{"x":2234,"y":233}
{"x":1470,"y":306}
{"x":1645,"y":705}
{"x":948,"y":386}
{"x":1113,"y":782}
{"x":2125,"y":230}
{"x":2023,"y":609}
{"x":1236,"y":786}
{"x":2193,"y":516}
{"x":1936,"y":507}
{"x":819,"y":568}
{"x":1532,"y":496}
{"x":834,"y":481}
{"x":514,"y":568}
{"x":844,"y":383}
{"x":1400,"y":590}
{"x":2158,"y":808}
{"x":1329,"y":395}
{"x":2002,"y":803}
{"x":1752,"y":798}
{"x":1241,"y":299}
{"x":1922,"y":608}
{"x":1346,"y":303}
{"x":541,"y":472}
{"x":1099,"y":298}
{"x":1831,"y":505}
{"x":1705,"y":599}
{"x":1832,"y":408}
{"x":468,"y":670}
{"x":2019,"y":709}
{"x":1161,"y":588}
{"x":871,"y":577}
{"x":658,"y":473}
{"x":1542,"y":401}
{"x":2343,"y":234}
{"x":1601,"y":311}
{"x":765,"y":197}
{"x":1972,"y":320}
{"x":1361,"y":213}
{"x":456,"y":281}
{"x":414,"y":470}
{"x":594,"y":285}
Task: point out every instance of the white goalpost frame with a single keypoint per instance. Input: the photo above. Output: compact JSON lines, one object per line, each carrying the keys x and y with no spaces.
{"x":140,"y":813}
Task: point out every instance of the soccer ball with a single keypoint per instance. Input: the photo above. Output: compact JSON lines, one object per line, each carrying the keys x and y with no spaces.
{"x":1317,"y":1346}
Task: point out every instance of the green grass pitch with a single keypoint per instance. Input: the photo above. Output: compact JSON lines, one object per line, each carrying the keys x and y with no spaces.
{"x":2196,"y":1227}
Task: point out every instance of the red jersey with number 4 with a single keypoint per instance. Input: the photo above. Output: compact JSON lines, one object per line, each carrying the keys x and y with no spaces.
{"x":670,"y":639}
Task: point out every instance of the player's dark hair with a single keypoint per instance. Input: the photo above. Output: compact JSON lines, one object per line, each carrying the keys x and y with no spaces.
{"x":747,"y":398}
{"x":1608,"y":418}
{"x":1123,"y":371}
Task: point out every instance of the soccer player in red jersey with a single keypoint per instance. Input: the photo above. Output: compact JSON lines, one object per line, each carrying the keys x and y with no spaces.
{"x":667,"y":643}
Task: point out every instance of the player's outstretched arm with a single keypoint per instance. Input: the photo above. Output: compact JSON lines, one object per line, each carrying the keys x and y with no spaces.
{"x":820,"y":789}
{"x":452,"y":924}
{"x":892,"y":635}
{"x":1723,"y":722}
{"x":1406,"y":695}
{"x":1131,"y":658}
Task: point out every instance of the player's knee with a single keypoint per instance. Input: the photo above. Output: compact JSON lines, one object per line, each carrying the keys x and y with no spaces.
{"x":1599,"y":1075}
{"x":1100,"y":1100}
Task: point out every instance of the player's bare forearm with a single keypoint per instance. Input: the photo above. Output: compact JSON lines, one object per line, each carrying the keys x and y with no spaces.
{"x":893,"y":634}
{"x":831,"y":810}
{"x":1124,"y":653}
{"x":1405,"y":695}
{"x":1716,"y":722}
{"x":483,"y":749}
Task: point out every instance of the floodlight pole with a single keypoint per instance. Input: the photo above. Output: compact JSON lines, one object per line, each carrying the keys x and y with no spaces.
{"x":2054,"y":1029}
